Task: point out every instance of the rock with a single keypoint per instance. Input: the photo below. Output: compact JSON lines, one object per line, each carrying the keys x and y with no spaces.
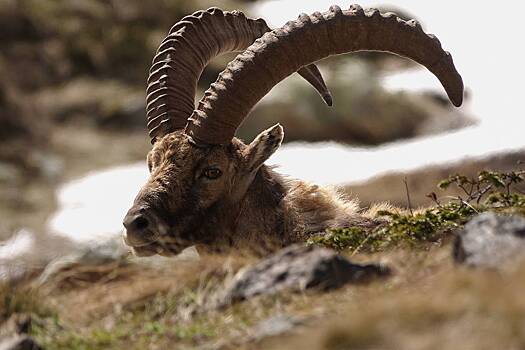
{"x":13,"y":334}
{"x":16,"y":324}
{"x":489,"y":240}
{"x":19,"y":342}
{"x":297,"y":268}
{"x":20,"y":131}
{"x":274,"y":326}
{"x":51,"y":167}
{"x":13,"y":266}
{"x":88,"y":254}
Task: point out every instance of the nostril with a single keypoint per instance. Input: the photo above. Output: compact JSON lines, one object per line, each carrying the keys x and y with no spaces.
{"x":140,"y":223}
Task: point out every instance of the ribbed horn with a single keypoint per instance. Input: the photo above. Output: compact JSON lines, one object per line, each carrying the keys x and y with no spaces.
{"x":183,"y":55}
{"x":308,"y":39}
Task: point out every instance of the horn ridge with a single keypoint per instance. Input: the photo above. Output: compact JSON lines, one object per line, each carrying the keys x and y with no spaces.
{"x":182,"y":56}
{"x":184,"y":53}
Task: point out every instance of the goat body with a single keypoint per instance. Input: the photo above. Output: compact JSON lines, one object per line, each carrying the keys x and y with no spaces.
{"x":250,"y":206}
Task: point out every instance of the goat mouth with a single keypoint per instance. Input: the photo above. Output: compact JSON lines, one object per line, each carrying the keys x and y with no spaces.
{"x":164,"y":249}
{"x":139,"y":240}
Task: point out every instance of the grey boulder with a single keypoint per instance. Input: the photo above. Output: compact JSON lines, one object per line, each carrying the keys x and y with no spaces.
{"x":490,"y":240}
{"x":297,"y":268}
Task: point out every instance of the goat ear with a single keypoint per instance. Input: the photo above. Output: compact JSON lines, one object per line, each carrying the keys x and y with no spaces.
{"x":264,"y":145}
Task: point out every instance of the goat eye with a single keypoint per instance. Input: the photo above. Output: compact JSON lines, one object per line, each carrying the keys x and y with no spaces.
{"x":212,"y":173}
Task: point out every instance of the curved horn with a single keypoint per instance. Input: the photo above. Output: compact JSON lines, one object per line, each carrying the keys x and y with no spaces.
{"x":280,"y":52}
{"x":183,"y":55}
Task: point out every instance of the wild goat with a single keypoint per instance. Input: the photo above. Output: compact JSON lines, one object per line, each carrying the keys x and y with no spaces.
{"x":208,"y":188}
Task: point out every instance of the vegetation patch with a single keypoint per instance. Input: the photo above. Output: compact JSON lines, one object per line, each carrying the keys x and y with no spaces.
{"x":490,"y":190}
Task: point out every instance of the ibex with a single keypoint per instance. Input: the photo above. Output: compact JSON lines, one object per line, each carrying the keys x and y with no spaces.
{"x":208,"y":188}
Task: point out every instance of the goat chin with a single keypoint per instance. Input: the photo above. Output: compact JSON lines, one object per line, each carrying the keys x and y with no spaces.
{"x":155,"y":248}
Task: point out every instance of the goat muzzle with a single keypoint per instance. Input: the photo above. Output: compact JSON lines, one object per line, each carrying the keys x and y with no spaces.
{"x":141,"y":227}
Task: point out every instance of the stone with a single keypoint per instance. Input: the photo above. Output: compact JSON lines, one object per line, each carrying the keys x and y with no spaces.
{"x":13,"y":334}
{"x":297,"y":268}
{"x":19,"y":342}
{"x":13,"y":266}
{"x":18,"y":323}
{"x":274,"y":326}
{"x":87,"y":254}
{"x":490,"y":240}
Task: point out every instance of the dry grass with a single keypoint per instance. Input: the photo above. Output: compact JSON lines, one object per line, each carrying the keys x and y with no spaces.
{"x":95,"y":290}
{"x":117,"y":305}
{"x":429,"y":303}
{"x":450,"y":308}
{"x":22,"y":299}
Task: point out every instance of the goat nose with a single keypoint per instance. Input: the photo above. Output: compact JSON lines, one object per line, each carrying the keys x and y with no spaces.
{"x":136,"y":223}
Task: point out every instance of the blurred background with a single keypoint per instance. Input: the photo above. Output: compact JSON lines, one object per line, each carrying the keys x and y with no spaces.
{"x":72,"y":103}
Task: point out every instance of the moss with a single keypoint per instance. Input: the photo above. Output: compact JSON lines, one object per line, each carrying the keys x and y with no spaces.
{"x":492,"y":191}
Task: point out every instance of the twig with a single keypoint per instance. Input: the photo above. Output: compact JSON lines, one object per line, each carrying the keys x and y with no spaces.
{"x":461,"y":200}
{"x":408,"y":196}
{"x":465,"y":190}
{"x":482,"y":192}
{"x":433,"y":196}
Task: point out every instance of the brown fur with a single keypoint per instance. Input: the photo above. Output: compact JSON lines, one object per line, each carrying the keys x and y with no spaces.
{"x":249,"y":205}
